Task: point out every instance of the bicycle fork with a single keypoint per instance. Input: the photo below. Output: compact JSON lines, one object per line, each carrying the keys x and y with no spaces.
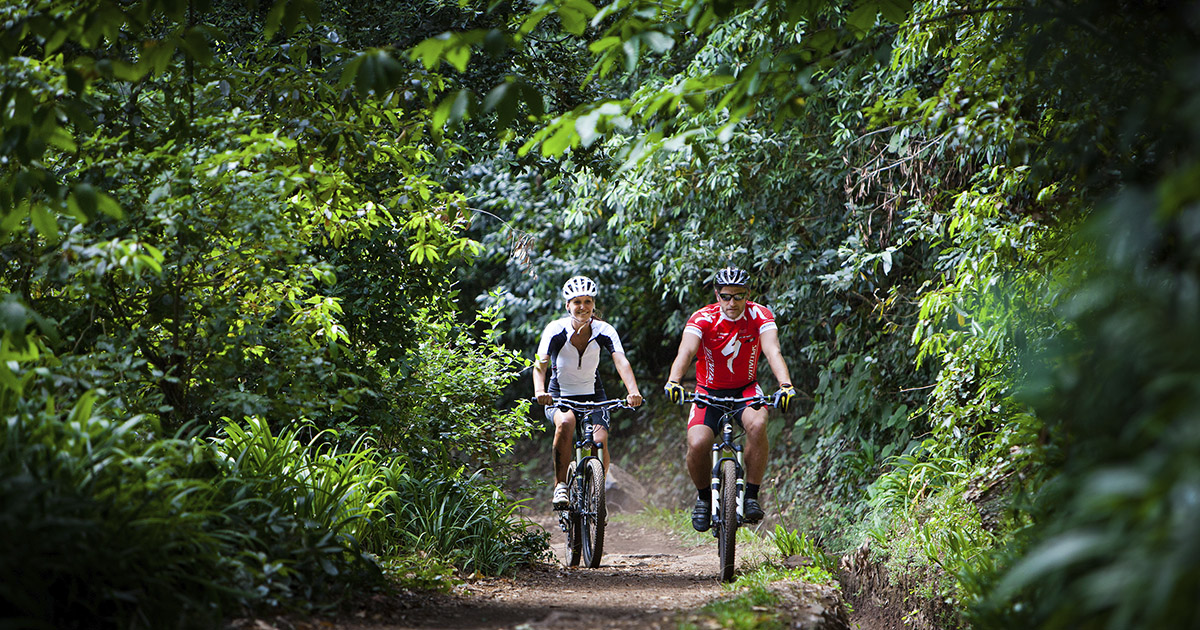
{"x":576,"y":477}
{"x":726,"y":442}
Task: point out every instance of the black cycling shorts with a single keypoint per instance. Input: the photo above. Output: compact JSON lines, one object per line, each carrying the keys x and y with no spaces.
{"x":598,"y":417}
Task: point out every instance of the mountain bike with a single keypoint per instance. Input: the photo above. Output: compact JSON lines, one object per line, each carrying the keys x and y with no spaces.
{"x":584,"y":519}
{"x":728,"y":474}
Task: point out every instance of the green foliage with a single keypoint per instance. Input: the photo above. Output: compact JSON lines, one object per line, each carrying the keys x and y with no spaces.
{"x":107,"y":524}
{"x":926,"y":525}
{"x":420,"y":572}
{"x":201,"y":219}
{"x":464,"y":520}
{"x":750,"y":608}
{"x":791,"y":543}
{"x":1111,"y":543}
{"x":443,"y":398}
{"x":98,"y":530}
{"x":344,"y":491}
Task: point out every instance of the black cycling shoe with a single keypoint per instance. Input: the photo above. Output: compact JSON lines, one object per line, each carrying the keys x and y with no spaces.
{"x":751,"y":512}
{"x":702,"y":515}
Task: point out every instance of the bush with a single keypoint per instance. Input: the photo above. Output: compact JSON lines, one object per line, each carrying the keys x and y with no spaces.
{"x":465,"y":520}
{"x":100,"y":529}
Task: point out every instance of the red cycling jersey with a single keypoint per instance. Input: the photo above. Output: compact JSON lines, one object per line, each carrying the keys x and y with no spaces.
{"x":729,"y":349}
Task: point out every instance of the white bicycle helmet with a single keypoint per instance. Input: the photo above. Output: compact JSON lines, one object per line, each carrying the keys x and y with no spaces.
{"x":577,"y":286}
{"x":731,"y":276}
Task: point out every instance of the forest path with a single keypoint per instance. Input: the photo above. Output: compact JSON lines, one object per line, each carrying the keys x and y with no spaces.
{"x":646,"y":575}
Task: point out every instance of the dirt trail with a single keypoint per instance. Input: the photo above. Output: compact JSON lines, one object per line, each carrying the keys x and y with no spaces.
{"x":645,"y":576}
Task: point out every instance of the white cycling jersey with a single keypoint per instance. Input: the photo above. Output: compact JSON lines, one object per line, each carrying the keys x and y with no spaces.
{"x":573,"y":373}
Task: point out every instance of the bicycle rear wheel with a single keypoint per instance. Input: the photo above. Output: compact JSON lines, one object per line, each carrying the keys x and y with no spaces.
{"x":595,"y":513}
{"x":574,"y":535}
{"x":727,"y":536}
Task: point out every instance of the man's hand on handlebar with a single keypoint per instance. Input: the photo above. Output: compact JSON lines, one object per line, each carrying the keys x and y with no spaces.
{"x":783,"y":397}
{"x":674,"y":392}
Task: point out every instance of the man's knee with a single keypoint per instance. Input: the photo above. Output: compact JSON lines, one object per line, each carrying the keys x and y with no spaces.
{"x":698,"y":441}
{"x":755,"y":422}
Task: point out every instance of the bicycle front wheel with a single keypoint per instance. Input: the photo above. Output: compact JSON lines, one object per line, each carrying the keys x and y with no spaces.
{"x":595,"y":513}
{"x":727,"y":535}
{"x":574,"y":525}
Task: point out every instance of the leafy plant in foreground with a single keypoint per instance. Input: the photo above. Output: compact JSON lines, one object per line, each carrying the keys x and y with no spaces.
{"x":465,"y":520}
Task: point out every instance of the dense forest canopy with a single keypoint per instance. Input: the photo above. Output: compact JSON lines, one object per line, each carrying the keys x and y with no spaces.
{"x":255,"y":254}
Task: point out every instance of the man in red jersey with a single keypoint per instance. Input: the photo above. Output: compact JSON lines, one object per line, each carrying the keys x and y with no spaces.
{"x":726,"y":339}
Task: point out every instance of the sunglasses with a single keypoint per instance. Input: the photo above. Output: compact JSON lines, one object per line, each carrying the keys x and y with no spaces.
{"x":725,"y":297}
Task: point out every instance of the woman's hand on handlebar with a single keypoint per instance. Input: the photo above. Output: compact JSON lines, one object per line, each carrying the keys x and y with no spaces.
{"x":634,"y":400}
{"x":544,"y":399}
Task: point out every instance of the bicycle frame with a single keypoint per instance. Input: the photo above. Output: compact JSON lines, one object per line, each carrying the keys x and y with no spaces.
{"x":726,"y":448}
{"x":726,"y":442}
{"x":584,"y":525}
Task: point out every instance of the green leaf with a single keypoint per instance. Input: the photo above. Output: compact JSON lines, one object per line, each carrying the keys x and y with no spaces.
{"x":430,"y":50}
{"x":895,"y":11}
{"x":157,"y":56}
{"x":83,"y":409}
{"x":503,"y":100}
{"x":862,"y":19}
{"x":585,"y":127}
{"x":44,"y":221}
{"x":803,"y":10}
{"x":462,"y":101}
{"x":13,"y":217}
{"x":378,"y":72}
{"x":496,"y":96}
{"x":534,"y":18}
{"x":572,"y":19}
{"x":658,"y":42}
{"x":13,"y":315}
{"x":604,"y":44}
{"x":109,"y":206}
{"x":451,"y":109}
{"x":561,"y":140}
{"x":532,"y":97}
{"x":632,"y":52}
{"x":458,"y":56}
{"x":274,"y":19}
{"x":86,"y":198}
{"x":196,"y":44}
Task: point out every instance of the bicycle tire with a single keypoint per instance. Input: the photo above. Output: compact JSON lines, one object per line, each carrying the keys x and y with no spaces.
{"x":574,"y":526}
{"x":727,"y":536}
{"x":595,"y":513}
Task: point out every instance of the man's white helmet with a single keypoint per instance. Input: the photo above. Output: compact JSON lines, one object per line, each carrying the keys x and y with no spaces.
{"x":577,"y":286}
{"x":731,"y":276}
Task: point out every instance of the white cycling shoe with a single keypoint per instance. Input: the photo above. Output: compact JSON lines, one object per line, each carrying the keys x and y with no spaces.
{"x":561,"y":500}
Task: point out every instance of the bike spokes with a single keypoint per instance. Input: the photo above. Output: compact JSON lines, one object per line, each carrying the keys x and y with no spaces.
{"x":594,"y":514}
{"x":728,"y":520}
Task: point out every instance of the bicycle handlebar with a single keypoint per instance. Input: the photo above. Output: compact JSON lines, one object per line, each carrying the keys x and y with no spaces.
{"x":703,"y":399}
{"x":583,"y":406}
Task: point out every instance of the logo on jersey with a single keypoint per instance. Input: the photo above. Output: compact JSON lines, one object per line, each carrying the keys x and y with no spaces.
{"x":731,"y":350}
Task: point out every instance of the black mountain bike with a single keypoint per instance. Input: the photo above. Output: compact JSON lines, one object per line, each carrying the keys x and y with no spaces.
{"x":585,"y":517}
{"x":728,"y":474}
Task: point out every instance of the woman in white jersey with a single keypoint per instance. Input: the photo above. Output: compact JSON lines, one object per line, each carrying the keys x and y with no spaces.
{"x":571,"y":348}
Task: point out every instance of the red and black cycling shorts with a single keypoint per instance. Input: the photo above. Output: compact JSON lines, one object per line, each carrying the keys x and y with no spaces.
{"x":711,"y":416}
